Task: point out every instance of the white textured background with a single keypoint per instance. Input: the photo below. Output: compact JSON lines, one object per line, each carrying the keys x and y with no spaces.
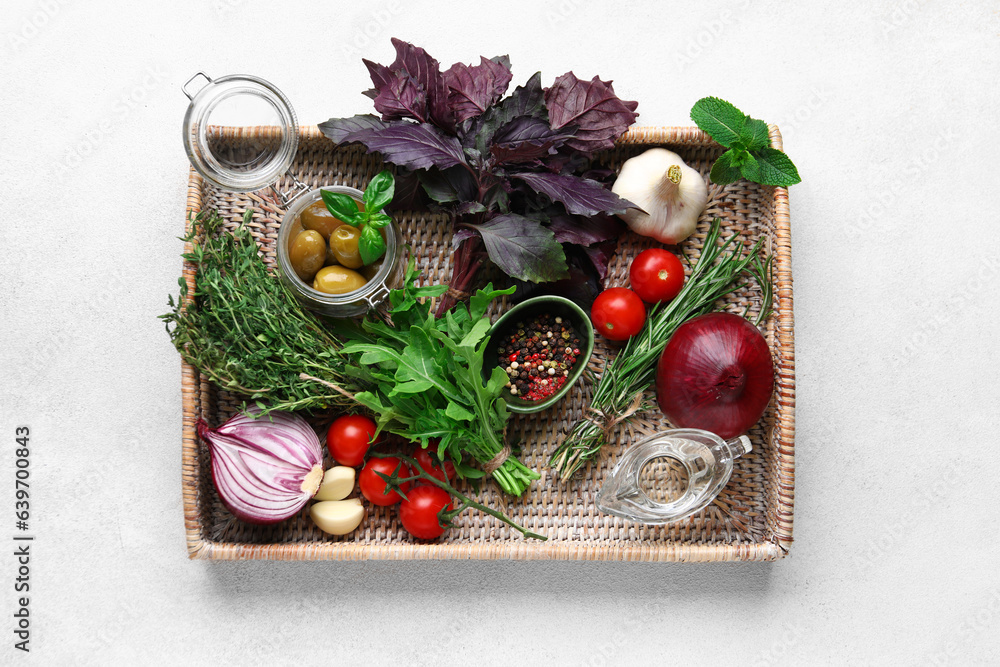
{"x":890,"y":112}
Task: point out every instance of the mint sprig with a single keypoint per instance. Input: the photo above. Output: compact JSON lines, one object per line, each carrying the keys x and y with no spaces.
{"x":750,"y":154}
{"x":377,"y":195}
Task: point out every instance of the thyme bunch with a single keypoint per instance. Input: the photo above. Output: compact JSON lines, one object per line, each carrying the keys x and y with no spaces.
{"x":246,"y":332}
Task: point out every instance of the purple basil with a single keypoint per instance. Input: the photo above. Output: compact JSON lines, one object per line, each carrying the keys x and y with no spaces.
{"x":339,"y":130}
{"x":578,"y":195}
{"x":508,"y":169}
{"x":510,"y":237}
{"x":412,"y":145}
{"x":593,"y":107}
{"x":475,"y":88}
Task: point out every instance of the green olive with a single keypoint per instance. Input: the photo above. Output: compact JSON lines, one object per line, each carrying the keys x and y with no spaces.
{"x":307,"y":254}
{"x":338,"y":280}
{"x":317,"y":217}
{"x":344,"y":244}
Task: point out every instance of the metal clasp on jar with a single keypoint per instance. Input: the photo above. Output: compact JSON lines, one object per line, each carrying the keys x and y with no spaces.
{"x":377,"y":297}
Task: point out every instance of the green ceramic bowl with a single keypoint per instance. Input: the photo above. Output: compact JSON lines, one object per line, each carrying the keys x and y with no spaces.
{"x":555,"y":305}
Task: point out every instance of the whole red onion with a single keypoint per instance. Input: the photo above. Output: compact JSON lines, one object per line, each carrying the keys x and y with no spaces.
{"x":715,"y":374}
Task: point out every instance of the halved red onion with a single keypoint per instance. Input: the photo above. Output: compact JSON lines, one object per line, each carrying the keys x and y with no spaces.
{"x":715,"y":374}
{"x":265,"y":469}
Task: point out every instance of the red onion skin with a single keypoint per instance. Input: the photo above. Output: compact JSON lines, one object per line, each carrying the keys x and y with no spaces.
{"x":206,"y":434}
{"x":715,"y":374}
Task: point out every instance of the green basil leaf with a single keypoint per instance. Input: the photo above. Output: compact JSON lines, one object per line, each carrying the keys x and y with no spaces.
{"x":379,"y":220}
{"x":342,"y":207}
{"x":379,"y":192}
{"x":371,"y":245}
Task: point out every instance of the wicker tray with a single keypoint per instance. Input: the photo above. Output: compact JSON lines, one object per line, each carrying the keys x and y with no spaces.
{"x":750,"y":520}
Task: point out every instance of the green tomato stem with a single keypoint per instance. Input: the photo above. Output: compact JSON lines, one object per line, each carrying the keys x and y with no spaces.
{"x":394,"y":482}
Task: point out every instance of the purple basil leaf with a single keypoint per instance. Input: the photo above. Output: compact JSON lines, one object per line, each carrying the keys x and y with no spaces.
{"x":581,"y":287}
{"x":461,"y":234}
{"x":522,"y":154}
{"x":526,"y":100}
{"x":567,"y":162}
{"x":475,"y":88}
{"x":448,"y":185}
{"x":468,"y":208}
{"x":578,"y":195}
{"x":409,"y":195}
{"x":593,"y":106}
{"x":426,"y":73}
{"x":600,"y":255}
{"x":603,"y":176}
{"x":381,"y":76}
{"x":497,"y":197}
{"x":523,"y":248}
{"x":399,"y":95}
{"x":528,"y":128}
{"x":412,"y":146}
{"x":338,"y":129}
{"x":583,"y":230}
{"x":526,"y":139}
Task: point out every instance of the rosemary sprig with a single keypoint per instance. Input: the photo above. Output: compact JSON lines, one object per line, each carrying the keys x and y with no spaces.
{"x":619,"y":393}
{"x":246,"y":332}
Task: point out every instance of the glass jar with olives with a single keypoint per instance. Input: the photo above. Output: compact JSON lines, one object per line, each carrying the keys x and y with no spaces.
{"x":320,"y":262}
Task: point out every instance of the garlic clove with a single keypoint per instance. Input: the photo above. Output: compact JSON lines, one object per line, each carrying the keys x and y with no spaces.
{"x":337,"y":517}
{"x":338,"y":482}
{"x":670,"y":195}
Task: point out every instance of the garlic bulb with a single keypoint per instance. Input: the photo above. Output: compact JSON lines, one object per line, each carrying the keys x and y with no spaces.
{"x":670,"y":194}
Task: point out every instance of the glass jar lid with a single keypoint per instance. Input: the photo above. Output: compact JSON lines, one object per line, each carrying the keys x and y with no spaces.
{"x":261,"y":154}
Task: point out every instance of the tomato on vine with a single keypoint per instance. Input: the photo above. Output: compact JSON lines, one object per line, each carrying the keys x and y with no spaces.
{"x":419,"y":511}
{"x":373,"y":486}
{"x":429,"y":463}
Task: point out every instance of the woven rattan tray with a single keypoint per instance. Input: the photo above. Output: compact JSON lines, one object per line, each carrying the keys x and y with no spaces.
{"x":750,"y":520}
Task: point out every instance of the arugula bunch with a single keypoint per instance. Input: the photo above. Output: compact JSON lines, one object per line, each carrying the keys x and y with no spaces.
{"x":426,"y":378}
{"x":750,"y":154}
{"x":377,"y":195}
{"x":514,"y":171}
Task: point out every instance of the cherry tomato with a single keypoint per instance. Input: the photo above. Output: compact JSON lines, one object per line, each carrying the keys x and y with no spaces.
{"x":349,"y":438}
{"x":656,"y":275}
{"x":618,"y":313}
{"x":428,"y":462}
{"x":373,"y":486}
{"x":419,"y":511}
